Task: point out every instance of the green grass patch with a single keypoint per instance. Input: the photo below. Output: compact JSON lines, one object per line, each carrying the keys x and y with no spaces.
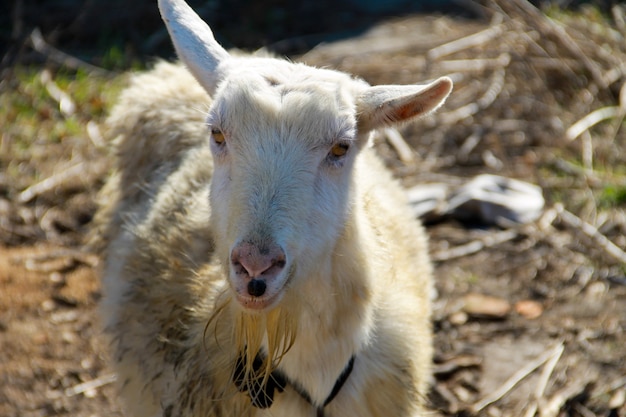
{"x":612,"y":195}
{"x":37,"y":136}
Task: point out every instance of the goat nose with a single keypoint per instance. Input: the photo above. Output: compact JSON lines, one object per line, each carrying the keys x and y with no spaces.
{"x":256,"y":287}
{"x":257,"y":264}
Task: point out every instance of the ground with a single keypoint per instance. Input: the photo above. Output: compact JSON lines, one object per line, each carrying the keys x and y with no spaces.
{"x":529,"y":319}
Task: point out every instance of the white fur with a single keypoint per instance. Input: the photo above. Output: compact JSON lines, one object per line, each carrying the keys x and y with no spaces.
{"x":356,"y":279}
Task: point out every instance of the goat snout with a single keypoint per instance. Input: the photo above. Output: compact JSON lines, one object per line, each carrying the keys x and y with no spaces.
{"x":257,"y":265}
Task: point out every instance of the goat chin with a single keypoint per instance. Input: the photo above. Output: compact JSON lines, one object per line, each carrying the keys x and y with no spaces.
{"x":272,"y":332}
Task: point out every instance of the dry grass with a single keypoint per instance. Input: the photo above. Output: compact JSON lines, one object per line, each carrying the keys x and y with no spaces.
{"x":538,"y":98}
{"x":51,"y":152}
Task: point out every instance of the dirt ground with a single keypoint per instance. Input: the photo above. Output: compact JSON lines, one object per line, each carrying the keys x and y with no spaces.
{"x":529,"y":319}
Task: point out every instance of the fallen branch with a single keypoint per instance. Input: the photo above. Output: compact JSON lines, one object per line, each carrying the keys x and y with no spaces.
{"x":41,"y":46}
{"x":592,"y":232}
{"x":90,"y":385}
{"x":474,"y":246}
{"x":614,"y":74}
{"x":94,"y":134}
{"x":51,"y":182}
{"x":55,"y":259}
{"x":495,"y":88}
{"x":552,"y":407}
{"x":475,"y":39}
{"x":574,"y":170}
{"x":77,"y":171}
{"x":516,"y":378}
{"x":477,"y":64}
{"x":470,"y":143}
{"x":547,"y":27}
{"x":395,"y":139}
{"x":584,"y":411}
{"x":543,"y":381}
{"x":551,"y":63}
{"x":593,"y":119}
{"x":447,"y":395}
{"x":586,"y":153}
{"x":618,"y":384}
{"x":66,"y":104}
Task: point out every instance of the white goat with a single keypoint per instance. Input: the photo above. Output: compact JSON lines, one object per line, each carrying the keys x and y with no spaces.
{"x":267,"y":265}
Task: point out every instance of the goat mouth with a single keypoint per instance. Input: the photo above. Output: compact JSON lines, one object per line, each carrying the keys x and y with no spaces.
{"x":258,"y":304}
{"x":269,"y":300}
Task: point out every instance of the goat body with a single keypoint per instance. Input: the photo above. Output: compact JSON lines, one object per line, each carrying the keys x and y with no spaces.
{"x":252,"y":264}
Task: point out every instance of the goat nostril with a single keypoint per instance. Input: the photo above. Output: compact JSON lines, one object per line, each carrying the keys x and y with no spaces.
{"x":280,"y":263}
{"x":239,"y":268}
{"x":256,"y":287}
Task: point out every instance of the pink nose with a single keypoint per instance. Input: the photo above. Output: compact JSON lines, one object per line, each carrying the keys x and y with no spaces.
{"x":257,"y":264}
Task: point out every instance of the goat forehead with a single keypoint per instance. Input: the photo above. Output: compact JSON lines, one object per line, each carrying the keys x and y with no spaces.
{"x":300,"y":100}
{"x":276,"y":71}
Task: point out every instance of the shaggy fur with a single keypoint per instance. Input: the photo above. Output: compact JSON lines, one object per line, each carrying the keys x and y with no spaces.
{"x":265,"y":173}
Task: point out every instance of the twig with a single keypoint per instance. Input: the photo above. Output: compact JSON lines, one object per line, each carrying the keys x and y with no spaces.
{"x":395,"y":139}
{"x":547,"y":219}
{"x":470,"y":143}
{"x":90,"y":385}
{"x":587,"y":153}
{"x":592,"y":119}
{"x":615,"y":73}
{"x":58,"y":179}
{"x":94,"y":134}
{"x":530,"y":40}
{"x":475,"y":39}
{"x":475,"y":246}
{"x":60,"y":57}
{"x":494,"y":90}
{"x":551,"y":407}
{"x":617,"y":125}
{"x":590,"y":231}
{"x":618,"y":384}
{"x":584,"y":411}
{"x":448,"y":396}
{"x":549,"y":27}
{"x":51,"y":182}
{"x":561,"y":64}
{"x":573,"y":170}
{"x":543,"y":380}
{"x":40,"y":262}
{"x":548,"y":370}
{"x":66,"y":104}
{"x":515,"y":379}
{"x":480,"y":64}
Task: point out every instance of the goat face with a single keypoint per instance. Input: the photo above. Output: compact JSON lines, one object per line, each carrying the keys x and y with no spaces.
{"x":284,"y":138}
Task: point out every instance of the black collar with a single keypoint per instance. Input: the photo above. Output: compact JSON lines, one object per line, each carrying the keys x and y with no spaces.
{"x":262,"y":395}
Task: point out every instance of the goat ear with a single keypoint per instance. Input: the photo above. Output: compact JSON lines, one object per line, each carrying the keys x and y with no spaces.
{"x":390,"y":104}
{"x":194,"y":42}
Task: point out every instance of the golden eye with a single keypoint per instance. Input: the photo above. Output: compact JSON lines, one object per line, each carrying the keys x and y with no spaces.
{"x":339,"y":149}
{"x":218,"y":136}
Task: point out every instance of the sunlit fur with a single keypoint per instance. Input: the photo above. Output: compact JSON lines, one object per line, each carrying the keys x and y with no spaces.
{"x":357,"y":280}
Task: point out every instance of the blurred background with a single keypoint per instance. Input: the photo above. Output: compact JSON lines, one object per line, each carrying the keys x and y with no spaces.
{"x":95,"y":29}
{"x":530,"y":314}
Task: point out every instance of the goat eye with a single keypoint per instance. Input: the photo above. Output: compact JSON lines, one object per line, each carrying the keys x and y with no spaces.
{"x":218,"y":136}
{"x":338,"y":150}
